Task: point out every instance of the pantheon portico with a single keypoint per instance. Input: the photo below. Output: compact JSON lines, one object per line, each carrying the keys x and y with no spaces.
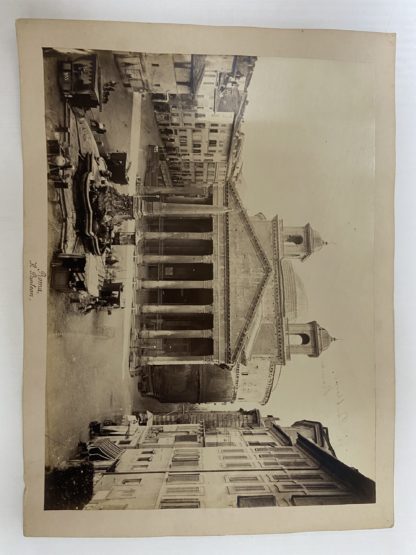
{"x":217,"y":296}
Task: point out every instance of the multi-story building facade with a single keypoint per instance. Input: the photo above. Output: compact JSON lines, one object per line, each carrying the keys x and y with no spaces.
{"x":265,"y":465}
{"x":198,"y":102}
{"x":211,"y":419}
{"x":206,"y":140}
{"x":156,"y":73}
{"x":196,"y":140}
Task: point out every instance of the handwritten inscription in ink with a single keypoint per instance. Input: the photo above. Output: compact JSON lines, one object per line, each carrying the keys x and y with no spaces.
{"x":37,"y":278}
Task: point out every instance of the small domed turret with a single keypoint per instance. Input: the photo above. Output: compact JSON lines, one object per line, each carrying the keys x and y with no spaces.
{"x":301,"y":242}
{"x":308,"y":339}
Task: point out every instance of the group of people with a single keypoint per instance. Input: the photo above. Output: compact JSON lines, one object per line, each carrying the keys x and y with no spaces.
{"x":108,"y":87}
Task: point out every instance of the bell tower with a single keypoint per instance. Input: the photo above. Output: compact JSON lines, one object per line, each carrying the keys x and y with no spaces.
{"x":308,"y":339}
{"x":300,"y":242}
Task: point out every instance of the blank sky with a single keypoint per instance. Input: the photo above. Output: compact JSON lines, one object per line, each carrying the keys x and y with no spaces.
{"x":309,"y":157}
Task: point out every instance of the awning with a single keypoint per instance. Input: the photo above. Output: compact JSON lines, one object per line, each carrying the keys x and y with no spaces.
{"x":103,"y":449}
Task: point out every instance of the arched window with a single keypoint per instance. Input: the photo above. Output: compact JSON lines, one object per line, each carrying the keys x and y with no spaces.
{"x":300,"y":339}
{"x":296,"y":239}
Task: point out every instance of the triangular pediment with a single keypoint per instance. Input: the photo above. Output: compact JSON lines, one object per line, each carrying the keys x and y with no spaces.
{"x":248,"y":272}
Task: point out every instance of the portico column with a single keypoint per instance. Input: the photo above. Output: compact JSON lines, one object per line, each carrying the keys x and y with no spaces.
{"x":176,"y":235}
{"x":181,"y":191}
{"x":176,"y":209}
{"x":172,"y":284}
{"x":177,"y":309}
{"x":174,"y":258}
{"x":183,"y":334}
{"x":171,"y":361}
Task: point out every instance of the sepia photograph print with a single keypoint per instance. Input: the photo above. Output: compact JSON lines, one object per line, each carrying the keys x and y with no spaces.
{"x":210,"y":284}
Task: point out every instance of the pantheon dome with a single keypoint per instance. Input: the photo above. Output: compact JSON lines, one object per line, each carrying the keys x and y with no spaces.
{"x":295,"y":299}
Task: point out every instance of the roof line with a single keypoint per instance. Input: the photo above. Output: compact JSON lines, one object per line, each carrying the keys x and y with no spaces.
{"x":322,"y":430}
{"x":261,"y":252}
{"x":266,"y":266}
{"x":287,"y":440}
{"x":332,"y":464}
{"x":279,"y":293}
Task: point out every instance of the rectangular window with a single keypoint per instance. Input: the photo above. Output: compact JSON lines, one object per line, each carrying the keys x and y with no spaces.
{"x":186,"y":437}
{"x":176,"y":463}
{"x":226,"y":450}
{"x":256,"y":501}
{"x":139,"y":466}
{"x":247,"y":488}
{"x":193,"y":477}
{"x":124,"y":442}
{"x":183,"y":490}
{"x":289,"y":486}
{"x":277,"y":476}
{"x":234,"y":457}
{"x":266,"y":455}
{"x":298,"y":463}
{"x":304,"y":477}
{"x":321,"y":486}
{"x":131,"y":481}
{"x":185,"y":458}
{"x":184,"y":503}
{"x":243,"y":478}
{"x":143,"y":459}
